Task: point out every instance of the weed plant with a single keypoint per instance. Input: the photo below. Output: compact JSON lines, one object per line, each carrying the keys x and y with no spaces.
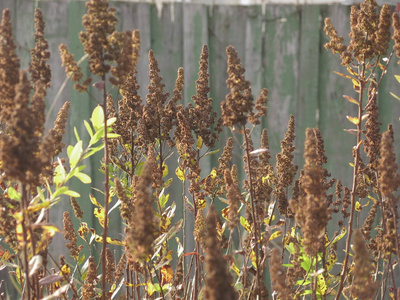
{"x":270,"y":240}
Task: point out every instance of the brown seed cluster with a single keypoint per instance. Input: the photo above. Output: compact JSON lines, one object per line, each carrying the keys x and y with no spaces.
{"x":237,"y":108}
{"x":142,"y":229}
{"x":9,"y":68}
{"x":312,"y":211}
{"x":218,"y":280}
{"x":362,"y":286}
{"x":369,"y":36}
{"x":285,"y":169}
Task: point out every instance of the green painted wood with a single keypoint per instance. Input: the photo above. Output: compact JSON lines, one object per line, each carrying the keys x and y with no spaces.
{"x":307,"y":109}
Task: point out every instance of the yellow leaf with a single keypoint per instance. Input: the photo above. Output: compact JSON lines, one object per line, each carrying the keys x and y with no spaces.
{"x":358,"y":206}
{"x":351,"y":99}
{"x":353,"y":120}
{"x":235,"y":269}
{"x":99,"y":213}
{"x":199,"y":142}
{"x":330,"y":262}
{"x":180,"y":174}
{"x":111,"y":241}
{"x":201,"y":203}
{"x":275,"y":235}
{"x":65,"y":270}
{"x":213,"y":173}
{"x":166,"y":274}
{"x":343,"y":75}
{"x":94,"y":201}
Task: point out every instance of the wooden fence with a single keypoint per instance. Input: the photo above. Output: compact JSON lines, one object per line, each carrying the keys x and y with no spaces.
{"x":281,"y":47}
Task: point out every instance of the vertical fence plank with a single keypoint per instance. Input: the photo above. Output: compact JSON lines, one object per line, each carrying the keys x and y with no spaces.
{"x":307,"y":95}
{"x":281,"y":63}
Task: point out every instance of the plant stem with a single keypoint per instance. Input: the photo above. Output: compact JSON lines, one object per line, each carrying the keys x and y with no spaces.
{"x":106,"y":194}
{"x":24,"y":222}
{"x":357,"y":158}
{"x":253,"y":213}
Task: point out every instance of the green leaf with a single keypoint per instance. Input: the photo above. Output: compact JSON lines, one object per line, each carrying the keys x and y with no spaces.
{"x":397,"y":97}
{"x":163,"y":200}
{"x":40,"y":193}
{"x":59,"y":175}
{"x":97,"y":136}
{"x":397,"y":77}
{"x":83,"y":177}
{"x":72,"y":194}
{"x":93,"y":151}
{"x":111,"y":121}
{"x":113,"y":135}
{"x":61,"y":190}
{"x":81,"y":259}
{"x":76,"y":134}
{"x":76,"y":154}
{"x":88,"y":128}
{"x":211,"y":152}
{"x":97,"y":118}
{"x":13,"y":194}
{"x":339,"y":237}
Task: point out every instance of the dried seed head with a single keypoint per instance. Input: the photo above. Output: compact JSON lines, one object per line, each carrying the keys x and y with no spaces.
{"x":389,"y":180}
{"x":312,"y":211}
{"x":278,"y":276}
{"x":142,"y":229}
{"x":38,"y":67}
{"x":238,"y":104}
{"x":219,"y":283}
{"x":9,"y":68}
{"x":362,"y":286}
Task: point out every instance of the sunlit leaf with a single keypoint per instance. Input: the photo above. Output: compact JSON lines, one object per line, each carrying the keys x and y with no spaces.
{"x":211,"y":152}
{"x":199,"y":143}
{"x":94,"y":201}
{"x":88,"y":128}
{"x":72,"y":194}
{"x":343,"y":75}
{"x":275,"y":235}
{"x":13,"y":194}
{"x":358,"y":206}
{"x":397,"y":77}
{"x":110,"y":241}
{"x":76,"y":154}
{"x":97,"y":118}
{"x":353,"y":120}
{"x":394,"y":95}
{"x":65,"y":270}
{"x":83,"y":177}
{"x":201,"y":203}
{"x":351,"y":99}
{"x":99,"y":213}
{"x":76,"y":135}
{"x":180,"y":174}
{"x":165,"y":170}
{"x":245,"y":223}
{"x":166,"y":274}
